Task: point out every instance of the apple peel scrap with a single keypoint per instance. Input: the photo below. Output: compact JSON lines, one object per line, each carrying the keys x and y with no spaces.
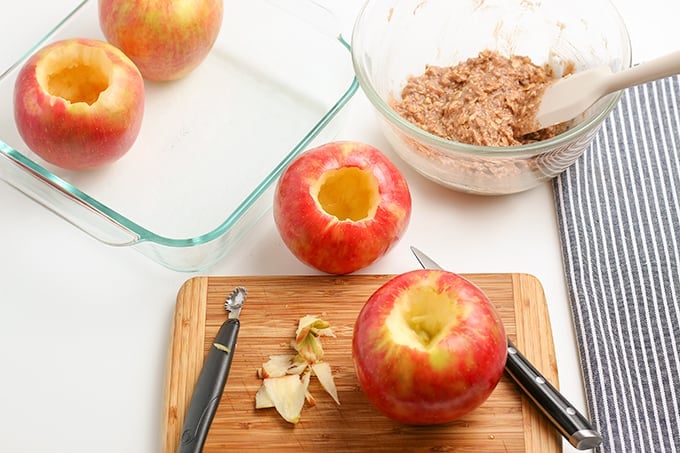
{"x":286,"y":377}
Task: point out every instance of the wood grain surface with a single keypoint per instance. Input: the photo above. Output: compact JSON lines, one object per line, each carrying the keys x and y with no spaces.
{"x":506,"y":422}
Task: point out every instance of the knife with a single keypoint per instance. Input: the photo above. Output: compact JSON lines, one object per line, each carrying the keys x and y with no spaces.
{"x":210,"y":385}
{"x":563,"y":415}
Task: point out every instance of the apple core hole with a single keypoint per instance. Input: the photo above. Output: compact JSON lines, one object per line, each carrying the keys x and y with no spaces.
{"x":79,"y":78}
{"x":423,"y":316}
{"x":349,"y":194}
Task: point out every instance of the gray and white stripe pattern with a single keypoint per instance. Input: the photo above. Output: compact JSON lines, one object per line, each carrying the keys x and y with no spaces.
{"x":618,"y":211}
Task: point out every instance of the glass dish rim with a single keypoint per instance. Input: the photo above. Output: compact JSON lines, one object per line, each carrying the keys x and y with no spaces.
{"x":138,"y":232}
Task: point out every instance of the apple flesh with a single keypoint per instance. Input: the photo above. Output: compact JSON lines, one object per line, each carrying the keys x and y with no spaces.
{"x":167,"y":39}
{"x":286,"y":377}
{"x":341,"y":206}
{"x":428,"y":347}
{"x":79,"y":103}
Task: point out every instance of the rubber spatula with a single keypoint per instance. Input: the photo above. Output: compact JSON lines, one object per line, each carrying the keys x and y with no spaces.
{"x":572,"y":95}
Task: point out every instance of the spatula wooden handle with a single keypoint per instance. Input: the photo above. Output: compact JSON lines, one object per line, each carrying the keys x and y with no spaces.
{"x":657,"y":68}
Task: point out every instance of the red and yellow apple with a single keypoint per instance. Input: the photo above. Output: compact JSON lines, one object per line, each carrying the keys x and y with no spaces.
{"x":341,"y":206}
{"x":428,"y":347}
{"x":166,"y":39}
{"x":79,"y":103}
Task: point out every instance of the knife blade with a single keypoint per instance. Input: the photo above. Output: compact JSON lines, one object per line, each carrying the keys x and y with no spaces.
{"x":573,"y":425}
{"x":210,"y":385}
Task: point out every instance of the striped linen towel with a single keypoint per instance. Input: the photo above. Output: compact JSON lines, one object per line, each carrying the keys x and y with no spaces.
{"x":618,"y":211}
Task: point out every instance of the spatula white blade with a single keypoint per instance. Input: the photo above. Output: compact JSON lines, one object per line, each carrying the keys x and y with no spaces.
{"x":570,"y":96}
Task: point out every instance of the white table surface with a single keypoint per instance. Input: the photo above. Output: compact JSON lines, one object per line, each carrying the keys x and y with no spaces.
{"x":84,"y":327}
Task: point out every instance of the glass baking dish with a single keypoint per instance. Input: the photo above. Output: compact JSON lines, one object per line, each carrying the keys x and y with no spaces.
{"x":212,"y":145}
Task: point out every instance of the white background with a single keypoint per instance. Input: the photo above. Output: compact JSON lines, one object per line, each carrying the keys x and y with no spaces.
{"x":84,"y":327}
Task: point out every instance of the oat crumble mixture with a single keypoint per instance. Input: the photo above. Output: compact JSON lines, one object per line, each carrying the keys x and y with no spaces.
{"x":487,"y":100}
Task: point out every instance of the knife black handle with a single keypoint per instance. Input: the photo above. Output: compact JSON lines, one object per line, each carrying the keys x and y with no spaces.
{"x":569,"y":421}
{"x":209,"y":388}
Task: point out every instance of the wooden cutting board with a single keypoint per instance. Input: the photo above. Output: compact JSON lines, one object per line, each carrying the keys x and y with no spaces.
{"x":506,"y":422}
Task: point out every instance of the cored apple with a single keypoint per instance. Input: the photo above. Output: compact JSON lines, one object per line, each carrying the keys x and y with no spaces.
{"x":428,"y":347}
{"x":341,"y":206}
{"x":166,"y":39}
{"x":79,"y":103}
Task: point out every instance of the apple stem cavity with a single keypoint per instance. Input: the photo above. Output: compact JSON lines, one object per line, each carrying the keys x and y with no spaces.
{"x":349,"y":194}
{"x":425,"y":315}
{"x":77,"y":79}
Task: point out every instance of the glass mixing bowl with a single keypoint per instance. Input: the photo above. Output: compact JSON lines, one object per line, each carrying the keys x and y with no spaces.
{"x":395,"y":39}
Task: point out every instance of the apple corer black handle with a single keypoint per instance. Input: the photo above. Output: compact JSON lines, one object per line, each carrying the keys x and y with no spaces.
{"x":209,"y":387}
{"x":569,"y":421}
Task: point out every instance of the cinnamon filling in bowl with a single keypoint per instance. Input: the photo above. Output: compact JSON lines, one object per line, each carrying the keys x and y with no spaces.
{"x":486,"y":100}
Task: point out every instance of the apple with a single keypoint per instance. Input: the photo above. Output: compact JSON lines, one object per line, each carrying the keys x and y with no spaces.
{"x":166,"y":39}
{"x":341,"y":206}
{"x":79,"y":103}
{"x":428,"y":347}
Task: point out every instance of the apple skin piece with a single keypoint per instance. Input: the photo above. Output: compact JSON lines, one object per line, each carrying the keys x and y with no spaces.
{"x":341,"y":206}
{"x":288,"y":395}
{"x":279,"y":388}
{"x":167,"y":39}
{"x":79,"y":103}
{"x":322,"y":370}
{"x":428,"y":347}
